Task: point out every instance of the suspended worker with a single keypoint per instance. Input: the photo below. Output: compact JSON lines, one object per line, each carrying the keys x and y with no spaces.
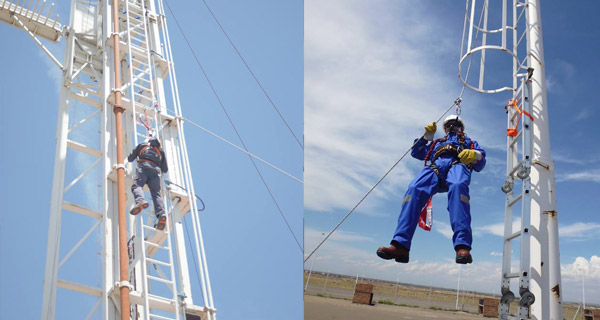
{"x":151,"y":162}
{"x":452,"y":159}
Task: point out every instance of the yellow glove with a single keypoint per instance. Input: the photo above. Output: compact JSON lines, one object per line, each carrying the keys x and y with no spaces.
{"x":430,"y":131}
{"x":469,"y":156}
{"x":431,"y":128}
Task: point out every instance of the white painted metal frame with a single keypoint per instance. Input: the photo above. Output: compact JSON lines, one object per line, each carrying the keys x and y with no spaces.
{"x":80,"y":85}
{"x":518,"y":170}
{"x":470,"y":48}
{"x":182,"y":176}
{"x":87,"y":60}
{"x":539,"y":263}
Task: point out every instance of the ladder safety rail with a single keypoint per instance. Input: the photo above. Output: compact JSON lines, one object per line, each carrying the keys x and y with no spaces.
{"x":522,"y":169}
{"x":187,"y":183}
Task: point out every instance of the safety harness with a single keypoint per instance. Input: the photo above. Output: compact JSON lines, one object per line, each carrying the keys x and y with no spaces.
{"x":153,"y":155}
{"x":426,"y":217}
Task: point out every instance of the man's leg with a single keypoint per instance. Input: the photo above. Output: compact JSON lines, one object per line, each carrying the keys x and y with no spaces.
{"x":138,"y":191}
{"x":459,"y":208}
{"x":159,"y":208}
{"x":419,"y":191}
{"x":154,"y":186}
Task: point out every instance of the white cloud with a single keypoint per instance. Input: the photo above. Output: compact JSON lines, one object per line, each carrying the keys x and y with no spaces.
{"x":569,"y":159}
{"x":580,"y":230}
{"x":572,"y":278}
{"x":53,"y":71}
{"x":443,"y":229}
{"x":592,"y":175}
{"x":369,"y":89}
{"x":497,"y":229}
{"x":496,"y":254}
{"x":583,"y":114}
{"x":577,"y":230}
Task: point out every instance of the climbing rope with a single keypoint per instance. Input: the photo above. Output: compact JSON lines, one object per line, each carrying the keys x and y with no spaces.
{"x":456,"y":103}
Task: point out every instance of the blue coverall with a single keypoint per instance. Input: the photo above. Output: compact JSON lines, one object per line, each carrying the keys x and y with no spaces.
{"x":456,"y":177}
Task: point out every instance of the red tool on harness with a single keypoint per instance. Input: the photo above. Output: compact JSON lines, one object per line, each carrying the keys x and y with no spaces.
{"x":426,"y":218}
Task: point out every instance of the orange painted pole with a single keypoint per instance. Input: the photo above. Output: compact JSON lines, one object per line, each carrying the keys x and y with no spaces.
{"x":122,"y":201}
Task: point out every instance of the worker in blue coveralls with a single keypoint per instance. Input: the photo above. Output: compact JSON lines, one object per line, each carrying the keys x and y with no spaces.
{"x":151,"y":162}
{"x":452,"y":159}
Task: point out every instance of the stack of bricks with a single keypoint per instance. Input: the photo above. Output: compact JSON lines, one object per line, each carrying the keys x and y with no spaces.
{"x":591,"y":314}
{"x":488,"y":307}
{"x":363,"y":293}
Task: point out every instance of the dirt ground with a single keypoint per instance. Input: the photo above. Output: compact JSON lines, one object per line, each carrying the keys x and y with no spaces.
{"x":321,"y":308}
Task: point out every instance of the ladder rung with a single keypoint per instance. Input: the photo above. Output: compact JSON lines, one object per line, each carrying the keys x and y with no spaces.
{"x":137,"y":92}
{"x":513,"y":236}
{"x":155,"y":245}
{"x":142,"y":78}
{"x":140,"y":61}
{"x":139,"y":70}
{"x":135,"y":7}
{"x":511,"y":275}
{"x":155,"y":297}
{"x":143,"y":49}
{"x":137,"y":34}
{"x":162,"y":263}
{"x":514,"y":116}
{"x":159,"y":279}
{"x":516,"y":139}
{"x":515,"y":200}
{"x":515,"y":168}
{"x":142,"y":105}
{"x":155,"y":316}
{"x":152,"y":228}
{"x":138,"y":49}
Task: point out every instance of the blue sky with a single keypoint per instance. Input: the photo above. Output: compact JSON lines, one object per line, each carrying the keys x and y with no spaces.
{"x":255,"y":265}
{"x":375,"y":74}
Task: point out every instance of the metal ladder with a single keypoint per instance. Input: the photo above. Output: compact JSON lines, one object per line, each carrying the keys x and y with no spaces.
{"x":158,"y":287}
{"x":151,"y":255}
{"x":518,"y":169}
{"x":141,"y":86}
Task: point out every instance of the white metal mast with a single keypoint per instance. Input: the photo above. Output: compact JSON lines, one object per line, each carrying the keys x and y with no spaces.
{"x":529,"y":164}
{"x":159,"y":277}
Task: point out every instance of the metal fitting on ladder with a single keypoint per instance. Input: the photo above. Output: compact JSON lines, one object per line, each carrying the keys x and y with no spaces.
{"x":508,"y":186}
{"x":527,"y":297}
{"x":524,"y":172}
{"x":124,"y":284}
{"x":507,"y":296}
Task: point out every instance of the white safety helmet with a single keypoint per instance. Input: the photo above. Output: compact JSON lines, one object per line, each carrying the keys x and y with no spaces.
{"x":453,"y":120}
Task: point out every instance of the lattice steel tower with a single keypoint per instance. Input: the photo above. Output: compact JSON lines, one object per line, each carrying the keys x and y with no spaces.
{"x":118,"y":71}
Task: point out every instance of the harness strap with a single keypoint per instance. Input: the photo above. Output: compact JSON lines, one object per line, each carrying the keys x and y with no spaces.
{"x":146,"y":160}
{"x":153,"y":147}
{"x":447,"y":148}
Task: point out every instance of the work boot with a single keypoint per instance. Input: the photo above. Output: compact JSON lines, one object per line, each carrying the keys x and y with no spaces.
{"x":161,"y":220}
{"x":138,"y":207}
{"x":396,"y":251}
{"x":463,"y":254}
